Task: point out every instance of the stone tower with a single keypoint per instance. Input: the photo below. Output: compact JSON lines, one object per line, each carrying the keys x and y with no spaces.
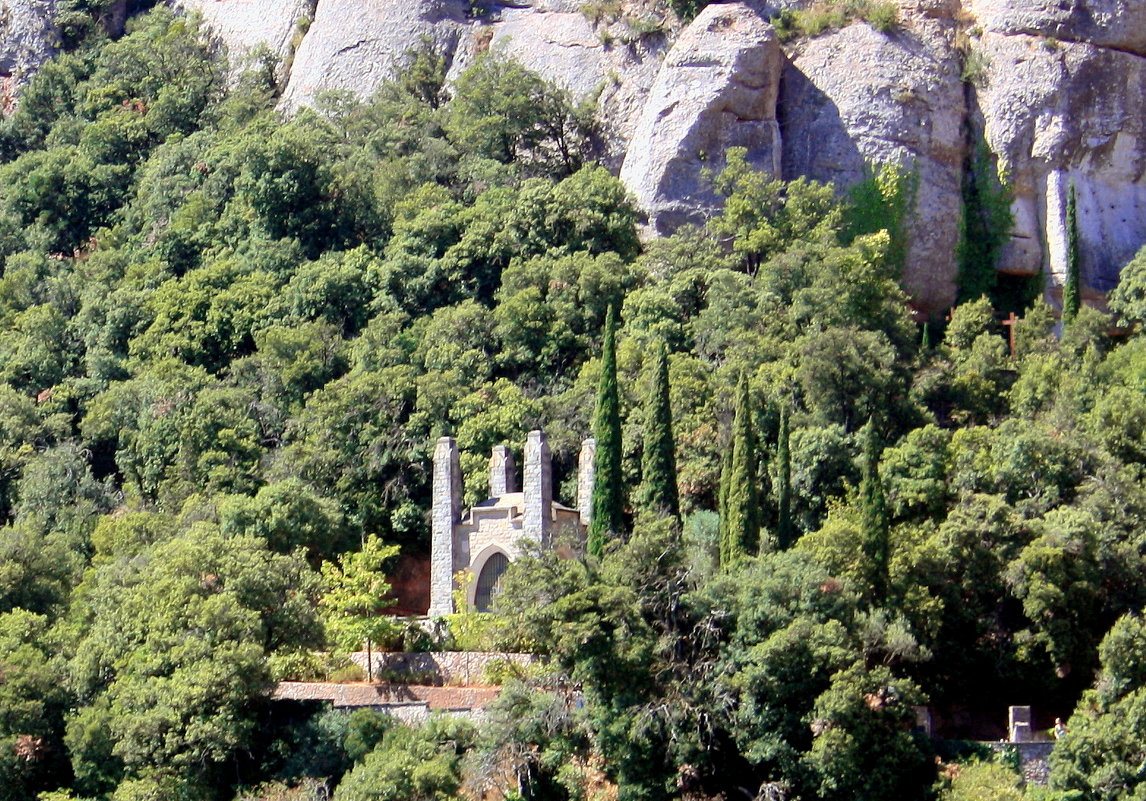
{"x":537,"y":488}
{"x":445,"y":512}
{"x":585,"y":478}
{"x":502,"y":480}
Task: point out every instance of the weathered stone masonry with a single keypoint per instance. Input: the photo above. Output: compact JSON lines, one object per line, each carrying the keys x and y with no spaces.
{"x":483,"y":540}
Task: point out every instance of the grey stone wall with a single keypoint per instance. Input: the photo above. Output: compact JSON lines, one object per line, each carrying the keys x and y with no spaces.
{"x":445,"y":511}
{"x":441,"y":667}
{"x":1033,"y":759}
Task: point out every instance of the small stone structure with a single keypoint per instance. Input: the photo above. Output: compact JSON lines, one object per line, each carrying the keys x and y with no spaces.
{"x":483,"y":540}
{"x":1019,"y":724}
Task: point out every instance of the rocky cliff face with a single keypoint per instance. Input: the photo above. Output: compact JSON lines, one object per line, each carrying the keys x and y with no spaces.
{"x":1063,"y":113}
{"x":716,"y":89}
{"x":27,"y":38}
{"x":1057,"y":91}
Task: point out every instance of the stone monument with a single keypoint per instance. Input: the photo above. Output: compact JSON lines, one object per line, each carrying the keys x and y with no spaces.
{"x":486,"y":538}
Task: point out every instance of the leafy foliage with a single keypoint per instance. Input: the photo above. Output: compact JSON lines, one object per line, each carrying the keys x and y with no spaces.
{"x":230,"y":340}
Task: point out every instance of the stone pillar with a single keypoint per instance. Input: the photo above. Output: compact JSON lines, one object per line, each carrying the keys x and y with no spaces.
{"x":1019,"y":724}
{"x":537,"y":487}
{"x":585,"y":478}
{"x":923,"y":720}
{"x":445,"y":511}
{"x":501,"y":472}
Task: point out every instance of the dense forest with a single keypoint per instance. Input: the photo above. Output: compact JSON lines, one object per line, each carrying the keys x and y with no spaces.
{"x":231,"y":339}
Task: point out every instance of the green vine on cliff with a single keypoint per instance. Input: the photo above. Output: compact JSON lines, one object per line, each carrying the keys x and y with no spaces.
{"x":984,"y":225}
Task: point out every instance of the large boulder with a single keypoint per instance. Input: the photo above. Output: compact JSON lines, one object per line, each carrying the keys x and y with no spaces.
{"x":855,"y":98}
{"x":716,"y":89}
{"x":356,"y":45}
{"x":245,"y":25}
{"x":562,"y":46}
{"x":1060,"y":114}
{"x":28,"y":38}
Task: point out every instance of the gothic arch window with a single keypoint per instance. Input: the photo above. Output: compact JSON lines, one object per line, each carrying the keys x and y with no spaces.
{"x":489,"y":580}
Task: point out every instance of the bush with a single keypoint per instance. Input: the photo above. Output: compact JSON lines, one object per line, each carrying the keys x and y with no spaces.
{"x":983,"y":781}
{"x":347,"y":674}
{"x":883,"y":16}
{"x":687,"y":9}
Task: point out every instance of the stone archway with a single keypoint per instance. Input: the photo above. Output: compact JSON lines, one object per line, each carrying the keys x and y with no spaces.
{"x":488,"y":568}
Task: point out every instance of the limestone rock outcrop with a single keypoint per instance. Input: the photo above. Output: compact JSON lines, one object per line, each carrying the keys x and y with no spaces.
{"x":716,"y":89}
{"x":857,"y":97}
{"x":563,"y":46}
{"x":1061,"y":114}
{"x":355,"y":45}
{"x":244,"y":25}
{"x":28,"y":38}
{"x":1115,"y":24}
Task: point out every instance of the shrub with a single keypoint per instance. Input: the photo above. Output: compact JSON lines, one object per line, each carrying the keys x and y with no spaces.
{"x":883,"y":16}
{"x":347,"y":673}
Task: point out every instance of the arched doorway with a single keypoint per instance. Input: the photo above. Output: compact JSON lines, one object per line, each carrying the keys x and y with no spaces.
{"x":489,"y":580}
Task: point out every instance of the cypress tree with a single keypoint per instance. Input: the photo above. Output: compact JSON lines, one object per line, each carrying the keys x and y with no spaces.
{"x":1072,"y":289}
{"x":742,"y":529}
{"x":608,"y":495}
{"x":658,"y":461}
{"x":925,"y":343}
{"x":722,"y":498}
{"x":785,"y":532}
{"x":874,"y":525}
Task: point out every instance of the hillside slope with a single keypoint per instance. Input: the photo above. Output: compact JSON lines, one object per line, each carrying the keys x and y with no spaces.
{"x":1057,"y":97}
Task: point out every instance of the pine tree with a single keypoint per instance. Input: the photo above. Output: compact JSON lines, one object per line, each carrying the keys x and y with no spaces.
{"x":608,"y":494}
{"x":1072,"y":289}
{"x":658,"y":461}
{"x":874,"y":525}
{"x":741,"y":529}
{"x":785,"y":531}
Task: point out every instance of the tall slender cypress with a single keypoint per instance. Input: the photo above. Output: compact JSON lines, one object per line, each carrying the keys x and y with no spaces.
{"x":785,"y":531}
{"x":874,"y":525}
{"x":658,"y":461}
{"x":742,"y":504}
{"x":1072,"y":289}
{"x":722,"y":498}
{"x":608,"y":494}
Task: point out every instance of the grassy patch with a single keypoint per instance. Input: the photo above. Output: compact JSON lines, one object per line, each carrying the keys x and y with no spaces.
{"x":831,"y":15}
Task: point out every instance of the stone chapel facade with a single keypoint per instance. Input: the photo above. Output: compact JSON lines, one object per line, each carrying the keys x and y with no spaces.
{"x":487,"y":537}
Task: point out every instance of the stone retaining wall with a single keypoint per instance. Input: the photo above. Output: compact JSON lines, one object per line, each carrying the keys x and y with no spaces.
{"x":409,"y":703}
{"x":440,"y":667}
{"x":1033,"y":758}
